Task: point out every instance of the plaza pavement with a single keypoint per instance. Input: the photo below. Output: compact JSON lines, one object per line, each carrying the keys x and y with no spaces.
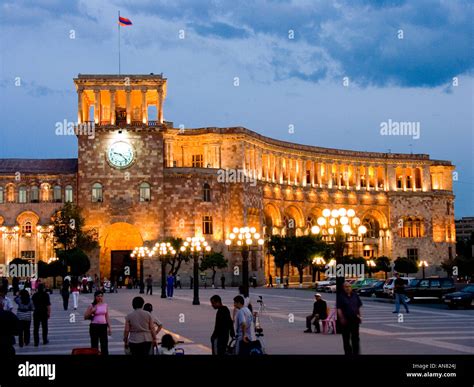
{"x":426,"y":330}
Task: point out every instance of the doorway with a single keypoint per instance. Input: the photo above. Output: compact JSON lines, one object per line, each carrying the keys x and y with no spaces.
{"x":122,"y":265}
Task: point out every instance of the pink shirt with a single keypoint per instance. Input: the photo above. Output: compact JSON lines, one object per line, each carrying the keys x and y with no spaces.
{"x":99,"y":316}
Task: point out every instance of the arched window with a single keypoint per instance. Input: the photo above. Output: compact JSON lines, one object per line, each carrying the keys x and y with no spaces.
{"x":145,"y":192}
{"x":2,"y":199}
{"x":26,"y":228}
{"x":97,"y":193}
{"x":22,"y":194}
{"x":372,"y":228}
{"x":417,"y":228}
{"x":57,"y":194}
{"x":34,"y":194}
{"x":68,"y":194}
{"x":206,"y":189}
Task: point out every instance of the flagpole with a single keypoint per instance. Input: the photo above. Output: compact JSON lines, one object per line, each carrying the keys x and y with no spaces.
{"x":119,"y":40}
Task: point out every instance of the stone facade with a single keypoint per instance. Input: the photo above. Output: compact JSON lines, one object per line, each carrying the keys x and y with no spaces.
{"x":183,"y":182}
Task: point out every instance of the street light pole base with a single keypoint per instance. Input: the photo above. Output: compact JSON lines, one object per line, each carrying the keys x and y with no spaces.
{"x":196,"y":302}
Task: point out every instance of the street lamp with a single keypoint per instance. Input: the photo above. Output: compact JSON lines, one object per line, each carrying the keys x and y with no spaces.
{"x":196,"y":247}
{"x":244,"y":239}
{"x":140,"y":253}
{"x":320,"y":263}
{"x":423,"y":265}
{"x":371,"y":264}
{"x":339,"y":227}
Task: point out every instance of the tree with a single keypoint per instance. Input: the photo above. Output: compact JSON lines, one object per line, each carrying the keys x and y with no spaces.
{"x":71,"y":241}
{"x":302,"y":251}
{"x":406,"y":265}
{"x":279,"y":248}
{"x":180,"y":258}
{"x":383,"y":264}
{"x":213,"y":261}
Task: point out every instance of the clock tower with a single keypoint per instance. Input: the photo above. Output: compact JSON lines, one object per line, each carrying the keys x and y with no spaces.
{"x":120,"y":165}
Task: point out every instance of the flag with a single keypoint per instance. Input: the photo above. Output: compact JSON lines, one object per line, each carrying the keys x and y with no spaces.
{"x":123,"y":21}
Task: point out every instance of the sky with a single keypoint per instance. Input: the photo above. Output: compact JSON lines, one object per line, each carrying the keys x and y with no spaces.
{"x":324,"y":73}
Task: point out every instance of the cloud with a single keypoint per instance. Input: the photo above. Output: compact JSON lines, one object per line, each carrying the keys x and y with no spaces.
{"x":220,"y":30}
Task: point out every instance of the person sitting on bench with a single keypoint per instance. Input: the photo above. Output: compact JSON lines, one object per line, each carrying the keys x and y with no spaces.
{"x":319,"y":313}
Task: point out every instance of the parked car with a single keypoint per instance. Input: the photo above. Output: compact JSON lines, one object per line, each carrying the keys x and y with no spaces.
{"x":390,"y":283}
{"x":369,"y":291}
{"x":332,"y":288}
{"x":465,"y":297}
{"x":320,"y":285}
{"x":429,"y":289}
{"x":363,"y":282}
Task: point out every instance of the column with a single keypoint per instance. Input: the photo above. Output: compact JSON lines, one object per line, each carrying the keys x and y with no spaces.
{"x":79,"y":106}
{"x":259,"y":163}
{"x":367,"y":177}
{"x":112,"y":107}
{"x":311,"y":173}
{"x":357,"y":176}
{"x":279,"y":170}
{"x":205,"y":157}
{"x":425,"y":178}
{"x":329,"y":175}
{"x":97,"y":106}
{"x":346,"y":176}
{"x":302,"y":164}
{"x":129,"y":108}
{"x":159,"y":107}
{"x":144,"y":108}
{"x":338,"y":175}
{"x":404,"y":178}
{"x":413,"y":178}
{"x":391,"y":177}
{"x":385,"y":178}
{"x":289,"y":167}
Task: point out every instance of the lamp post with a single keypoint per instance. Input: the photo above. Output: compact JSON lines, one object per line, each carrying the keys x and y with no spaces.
{"x":339,"y":227}
{"x":320,"y":263}
{"x":140,"y":253}
{"x":244,"y":239}
{"x":196,"y":247}
{"x":371,"y":264}
{"x":423,"y":265}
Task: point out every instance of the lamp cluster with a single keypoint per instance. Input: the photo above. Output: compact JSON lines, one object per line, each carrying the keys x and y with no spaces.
{"x":331,"y":219}
{"x":244,"y":236}
{"x":195,"y":244}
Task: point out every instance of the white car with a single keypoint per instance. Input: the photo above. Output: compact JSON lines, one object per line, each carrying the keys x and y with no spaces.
{"x":390,"y":284}
{"x":321,"y":285}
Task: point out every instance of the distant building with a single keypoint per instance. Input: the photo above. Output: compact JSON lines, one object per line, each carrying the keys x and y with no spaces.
{"x":464,"y":227}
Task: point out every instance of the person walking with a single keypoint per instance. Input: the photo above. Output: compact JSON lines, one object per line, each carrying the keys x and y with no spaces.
{"x":157,"y":325}
{"x":65,"y":290}
{"x":223,"y":328}
{"x":399,"y":291}
{"x":28,"y":285}
{"x":149,"y":285}
{"x":41,"y":314}
{"x":223,"y":281}
{"x":348,"y":312}
{"x":178,"y":281}
{"x":319,"y":313}
{"x":25,"y":307}
{"x":9,"y":328}
{"x":139,"y":332}
{"x":99,"y":329}
{"x":169,"y":285}
{"x":6,"y":302}
{"x":270,"y":281}
{"x":75,"y":291}
{"x":243,"y":326}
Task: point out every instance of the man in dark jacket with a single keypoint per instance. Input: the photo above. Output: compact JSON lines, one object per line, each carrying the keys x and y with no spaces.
{"x":223,"y":329}
{"x":319,"y":313}
{"x":41,"y":314}
{"x":348,"y":313}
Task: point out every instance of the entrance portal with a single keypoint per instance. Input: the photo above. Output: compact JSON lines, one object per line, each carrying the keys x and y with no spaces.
{"x":122,"y":265}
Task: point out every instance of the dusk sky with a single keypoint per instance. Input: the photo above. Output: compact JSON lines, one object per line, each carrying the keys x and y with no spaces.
{"x":404,"y":61}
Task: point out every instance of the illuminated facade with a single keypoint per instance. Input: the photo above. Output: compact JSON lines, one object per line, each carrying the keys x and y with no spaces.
{"x":138,"y":179}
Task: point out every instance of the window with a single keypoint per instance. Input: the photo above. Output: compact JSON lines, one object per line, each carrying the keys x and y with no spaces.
{"x":22,"y":195}
{"x":435,"y":283}
{"x":10,"y":193}
{"x":368,"y":253}
{"x":409,"y":182}
{"x":2,"y":199}
{"x":424,"y":283}
{"x":198,"y":161}
{"x":400,"y":182}
{"x":28,"y":255}
{"x":97,"y":193}
{"x":145,"y":192}
{"x":26,"y":228}
{"x":412,"y":228}
{"x":412,"y":254}
{"x":207,"y":225}
{"x":372,"y":228}
{"x":57,"y":194}
{"x":68,"y":195}
{"x":308,"y":177}
{"x":417,"y":225}
{"x":206,"y":189}
{"x":34,"y":194}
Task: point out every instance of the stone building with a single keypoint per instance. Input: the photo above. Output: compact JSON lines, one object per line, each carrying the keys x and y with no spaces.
{"x":138,"y":180}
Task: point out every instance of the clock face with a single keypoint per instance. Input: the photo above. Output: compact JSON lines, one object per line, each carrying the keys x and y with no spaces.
{"x":120,"y":154}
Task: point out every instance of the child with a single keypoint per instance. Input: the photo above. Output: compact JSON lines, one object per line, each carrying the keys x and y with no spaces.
{"x":167,"y":346}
